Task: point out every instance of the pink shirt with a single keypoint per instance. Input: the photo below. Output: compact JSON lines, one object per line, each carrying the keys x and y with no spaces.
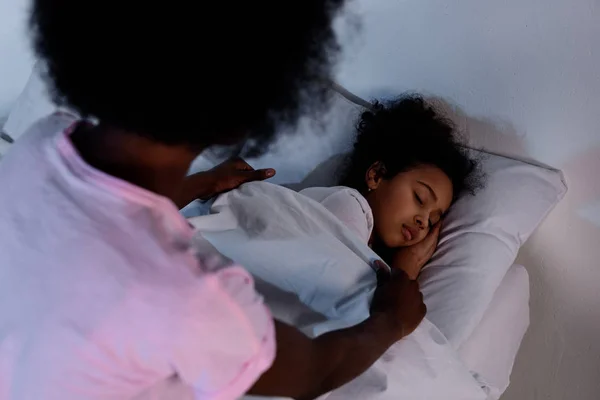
{"x":103,"y":293}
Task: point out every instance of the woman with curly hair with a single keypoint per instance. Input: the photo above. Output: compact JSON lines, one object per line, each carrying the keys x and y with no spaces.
{"x":103,"y":293}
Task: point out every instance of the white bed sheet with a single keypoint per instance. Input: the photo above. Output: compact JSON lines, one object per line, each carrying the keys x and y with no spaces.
{"x":491,"y":349}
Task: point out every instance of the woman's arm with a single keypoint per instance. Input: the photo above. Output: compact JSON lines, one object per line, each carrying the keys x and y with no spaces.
{"x":225,"y":176}
{"x":306,"y":368}
{"x":197,"y":186}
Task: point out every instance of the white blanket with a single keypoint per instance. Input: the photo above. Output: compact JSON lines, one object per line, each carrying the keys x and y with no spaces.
{"x":316,"y":275}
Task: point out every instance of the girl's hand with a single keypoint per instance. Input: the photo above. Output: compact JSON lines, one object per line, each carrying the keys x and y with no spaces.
{"x":411,"y":259}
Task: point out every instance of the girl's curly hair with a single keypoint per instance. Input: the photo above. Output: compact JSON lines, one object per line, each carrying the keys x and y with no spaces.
{"x":404,"y":133}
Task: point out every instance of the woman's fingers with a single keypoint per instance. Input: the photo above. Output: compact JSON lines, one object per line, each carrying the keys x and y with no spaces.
{"x":258,"y":174}
{"x":250,"y":174}
{"x":382,"y":271}
{"x":241,"y":164}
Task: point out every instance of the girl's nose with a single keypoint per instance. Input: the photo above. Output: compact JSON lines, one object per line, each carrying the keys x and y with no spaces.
{"x":420,"y":221}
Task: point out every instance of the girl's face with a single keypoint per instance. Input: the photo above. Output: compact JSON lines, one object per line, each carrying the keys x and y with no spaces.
{"x":406,"y":206}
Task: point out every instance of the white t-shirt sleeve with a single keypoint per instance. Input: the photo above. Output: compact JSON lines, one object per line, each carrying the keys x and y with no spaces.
{"x":226,"y":340}
{"x":349,"y":206}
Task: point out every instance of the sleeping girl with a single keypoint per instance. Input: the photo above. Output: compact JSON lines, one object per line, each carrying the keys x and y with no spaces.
{"x":312,"y":253}
{"x":407,"y":167}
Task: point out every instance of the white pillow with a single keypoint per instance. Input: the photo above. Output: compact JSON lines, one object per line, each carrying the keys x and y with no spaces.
{"x":491,"y":349}
{"x":480,"y":238}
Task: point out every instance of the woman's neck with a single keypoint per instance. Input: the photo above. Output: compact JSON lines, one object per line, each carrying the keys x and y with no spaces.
{"x":136,"y":159}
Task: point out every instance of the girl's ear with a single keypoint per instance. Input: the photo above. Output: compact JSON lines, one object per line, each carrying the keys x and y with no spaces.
{"x":375,"y":175}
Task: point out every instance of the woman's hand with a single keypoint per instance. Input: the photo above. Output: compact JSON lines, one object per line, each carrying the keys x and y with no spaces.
{"x":232,"y":173}
{"x":305,"y":368}
{"x":411,"y":259}
{"x":399,"y":299}
{"x":226,"y":176}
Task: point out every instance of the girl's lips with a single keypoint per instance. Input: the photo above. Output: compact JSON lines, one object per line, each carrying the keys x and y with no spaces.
{"x":407,"y":233}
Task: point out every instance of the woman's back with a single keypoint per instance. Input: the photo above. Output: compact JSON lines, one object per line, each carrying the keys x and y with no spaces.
{"x":101,"y":295}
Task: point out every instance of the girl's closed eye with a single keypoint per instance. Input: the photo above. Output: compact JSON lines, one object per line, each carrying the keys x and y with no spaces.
{"x":421,"y":203}
{"x":419,"y":200}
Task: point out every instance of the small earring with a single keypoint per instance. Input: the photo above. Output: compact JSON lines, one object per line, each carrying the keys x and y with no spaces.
{"x":369,"y":189}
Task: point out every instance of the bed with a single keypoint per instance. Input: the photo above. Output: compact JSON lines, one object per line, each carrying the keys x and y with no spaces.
{"x":490,"y":349}
{"x":327,"y":272}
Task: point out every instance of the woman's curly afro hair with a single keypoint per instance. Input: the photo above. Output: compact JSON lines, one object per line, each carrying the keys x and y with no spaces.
{"x":185,"y":72}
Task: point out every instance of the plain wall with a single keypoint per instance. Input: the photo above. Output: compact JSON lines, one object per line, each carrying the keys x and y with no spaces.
{"x":521,"y":77}
{"x":16,"y":59}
